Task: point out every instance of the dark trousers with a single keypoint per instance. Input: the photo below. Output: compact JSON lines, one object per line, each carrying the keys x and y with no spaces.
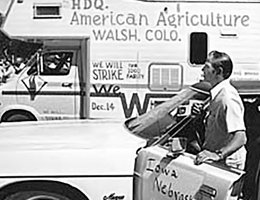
{"x":251,"y":187}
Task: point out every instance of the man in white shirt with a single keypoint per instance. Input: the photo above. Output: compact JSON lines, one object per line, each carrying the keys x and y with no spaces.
{"x":225,"y":135}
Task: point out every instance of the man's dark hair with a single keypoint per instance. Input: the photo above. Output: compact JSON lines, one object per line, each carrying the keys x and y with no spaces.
{"x":221,"y":60}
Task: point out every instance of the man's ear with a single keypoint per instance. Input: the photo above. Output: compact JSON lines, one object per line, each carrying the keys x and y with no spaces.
{"x":220,"y":71}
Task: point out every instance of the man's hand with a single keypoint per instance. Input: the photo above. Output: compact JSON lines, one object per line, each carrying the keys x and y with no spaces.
{"x":206,"y":156}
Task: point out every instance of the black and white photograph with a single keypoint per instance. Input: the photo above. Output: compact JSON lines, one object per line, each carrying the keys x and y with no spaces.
{"x":129,"y":99}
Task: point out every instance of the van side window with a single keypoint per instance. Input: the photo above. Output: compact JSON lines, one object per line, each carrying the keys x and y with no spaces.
{"x":198,"y":48}
{"x":56,"y":63}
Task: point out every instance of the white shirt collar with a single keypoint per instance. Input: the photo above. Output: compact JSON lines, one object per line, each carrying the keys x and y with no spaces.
{"x":215,"y":90}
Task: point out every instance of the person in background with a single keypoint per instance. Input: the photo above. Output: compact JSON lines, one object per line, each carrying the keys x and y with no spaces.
{"x":251,"y":186}
{"x":18,"y":64}
{"x":225,"y":135}
{"x":6,"y":70}
{"x":9,"y":70}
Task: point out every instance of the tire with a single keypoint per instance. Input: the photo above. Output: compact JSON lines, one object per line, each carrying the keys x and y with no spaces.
{"x":36,"y":195}
{"x":18,"y":117}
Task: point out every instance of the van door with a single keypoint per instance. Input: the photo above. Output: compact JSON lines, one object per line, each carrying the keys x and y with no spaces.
{"x":51,"y":85}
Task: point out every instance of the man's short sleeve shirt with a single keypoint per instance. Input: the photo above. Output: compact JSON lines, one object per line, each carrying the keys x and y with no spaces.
{"x":226,"y":115}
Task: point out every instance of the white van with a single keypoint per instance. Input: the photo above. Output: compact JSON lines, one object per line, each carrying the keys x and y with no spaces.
{"x":124,"y":57}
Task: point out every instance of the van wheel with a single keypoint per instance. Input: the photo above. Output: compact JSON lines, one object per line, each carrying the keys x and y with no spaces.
{"x":36,"y":195}
{"x":18,"y":117}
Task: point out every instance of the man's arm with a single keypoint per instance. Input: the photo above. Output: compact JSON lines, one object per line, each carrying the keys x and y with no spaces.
{"x":239,"y":139}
